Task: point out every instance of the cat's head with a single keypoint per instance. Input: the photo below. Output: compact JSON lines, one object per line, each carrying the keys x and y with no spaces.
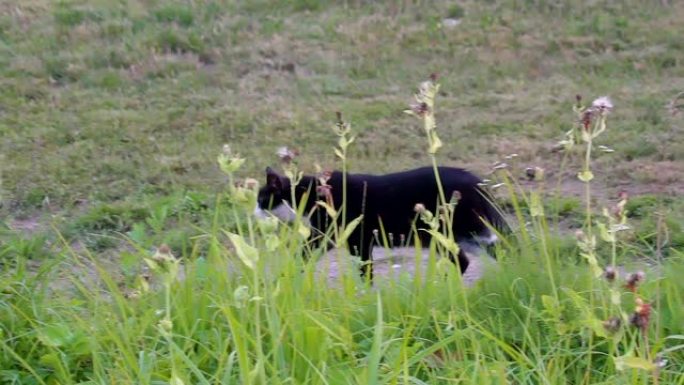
{"x":274,"y":197}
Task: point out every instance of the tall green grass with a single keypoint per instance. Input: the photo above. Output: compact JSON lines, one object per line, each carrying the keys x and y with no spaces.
{"x":249,"y":304}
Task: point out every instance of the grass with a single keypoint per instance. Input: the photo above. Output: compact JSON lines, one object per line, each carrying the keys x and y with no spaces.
{"x":233,"y":310}
{"x":112,"y":114}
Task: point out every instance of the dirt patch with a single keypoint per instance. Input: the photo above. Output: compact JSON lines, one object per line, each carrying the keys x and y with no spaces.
{"x":27,"y":226}
{"x":397,"y":262}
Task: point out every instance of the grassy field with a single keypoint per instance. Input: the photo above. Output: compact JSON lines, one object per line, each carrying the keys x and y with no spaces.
{"x":113,"y":113}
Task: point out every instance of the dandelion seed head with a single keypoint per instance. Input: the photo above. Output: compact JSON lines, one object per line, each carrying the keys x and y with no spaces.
{"x":603,"y":104}
{"x":285,"y":154}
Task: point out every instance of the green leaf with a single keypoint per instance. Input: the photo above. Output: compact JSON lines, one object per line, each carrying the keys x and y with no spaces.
{"x":342,"y":142}
{"x":247,"y":253}
{"x":303,"y":230}
{"x":536,"y":206}
{"x":138,"y":232}
{"x":272,"y":242}
{"x":585,"y":176}
{"x":589,"y":319}
{"x":593,"y":263}
{"x":586,"y":135}
{"x":435,"y":142}
{"x":615,"y":297}
{"x":351,"y":226}
{"x":376,"y":353}
{"x":631,"y":362}
{"x":332,"y":213}
{"x":447,"y":243}
{"x":50,"y":360}
{"x":605,"y":234}
{"x":241,"y":295}
{"x":55,"y":335}
{"x":551,"y":305}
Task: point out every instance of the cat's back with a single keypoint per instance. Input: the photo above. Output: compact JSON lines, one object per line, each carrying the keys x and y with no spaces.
{"x":422,"y":176}
{"x":410,"y":184}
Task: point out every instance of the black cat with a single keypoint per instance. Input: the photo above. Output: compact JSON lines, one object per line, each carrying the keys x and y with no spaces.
{"x":388,"y":202}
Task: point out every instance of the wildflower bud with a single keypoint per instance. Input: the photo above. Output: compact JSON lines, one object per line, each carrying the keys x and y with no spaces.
{"x":587,"y":117}
{"x":612,"y":325}
{"x":610,"y":274}
{"x":578,"y":98}
{"x":618,"y":211}
{"x":324,"y":177}
{"x":402,"y":238}
{"x":641,"y":315}
{"x":456,"y":196}
{"x":633,"y":280}
{"x":164,"y":249}
{"x":324,"y":191}
{"x":375,"y":232}
{"x":165,"y":325}
{"x":419,"y":208}
{"x":251,"y":183}
{"x":623,"y":195}
{"x":163,"y":254}
{"x":642,"y":307}
{"x":390,"y":236}
{"x":580,"y":236}
{"x":433,"y":77}
{"x":420,"y":109}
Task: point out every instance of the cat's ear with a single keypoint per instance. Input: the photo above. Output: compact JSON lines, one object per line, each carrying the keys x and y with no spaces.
{"x":273,"y":179}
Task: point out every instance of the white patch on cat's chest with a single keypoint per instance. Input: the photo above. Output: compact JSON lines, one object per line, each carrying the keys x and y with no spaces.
{"x":489,"y":239}
{"x":283,"y":211}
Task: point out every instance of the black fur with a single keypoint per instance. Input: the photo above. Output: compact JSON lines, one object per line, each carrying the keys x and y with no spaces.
{"x":391,"y":199}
